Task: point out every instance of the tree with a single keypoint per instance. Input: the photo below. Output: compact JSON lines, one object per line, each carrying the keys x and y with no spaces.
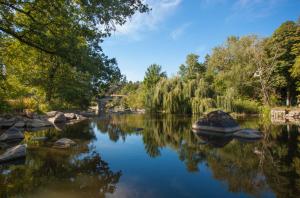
{"x":153,"y":75}
{"x":52,"y":48}
{"x":64,"y":28}
{"x":265,"y":67}
{"x":192,"y":67}
{"x":231,"y":67}
{"x":286,"y":37}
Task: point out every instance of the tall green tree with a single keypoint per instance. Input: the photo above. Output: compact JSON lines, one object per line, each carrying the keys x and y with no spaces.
{"x":152,"y":76}
{"x":192,"y":67}
{"x":286,"y":37}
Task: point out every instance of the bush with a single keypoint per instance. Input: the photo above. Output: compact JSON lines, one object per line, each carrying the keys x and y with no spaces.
{"x":19,"y":105}
{"x":246,"y":106}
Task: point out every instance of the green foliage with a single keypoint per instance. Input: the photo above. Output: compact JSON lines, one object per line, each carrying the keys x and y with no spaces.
{"x":50,"y":50}
{"x":192,"y":67}
{"x":287,"y":40}
{"x":153,"y":75}
{"x":246,"y":106}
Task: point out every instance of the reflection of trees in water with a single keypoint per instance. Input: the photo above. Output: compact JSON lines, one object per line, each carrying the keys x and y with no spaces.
{"x":74,"y":170}
{"x":61,"y":172}
{"x":276,"y":164}
{"x":80,"y":131}
{"x":281,"y":165}
{"x":119,"y":127}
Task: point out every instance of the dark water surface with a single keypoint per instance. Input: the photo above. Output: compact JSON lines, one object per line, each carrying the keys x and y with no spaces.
{"x":156,"y":156}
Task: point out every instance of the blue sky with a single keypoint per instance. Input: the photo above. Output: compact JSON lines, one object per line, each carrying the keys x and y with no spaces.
{"x":175,"y":28}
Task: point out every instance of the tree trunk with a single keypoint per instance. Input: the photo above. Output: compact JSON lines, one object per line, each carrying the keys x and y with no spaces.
{"x":51,"y":76}
{"x":288,"y":98}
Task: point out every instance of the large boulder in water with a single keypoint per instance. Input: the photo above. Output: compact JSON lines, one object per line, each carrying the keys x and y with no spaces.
{"x":12,"y":134}
{"x":13,"y":153}
{"x":217,"y":121}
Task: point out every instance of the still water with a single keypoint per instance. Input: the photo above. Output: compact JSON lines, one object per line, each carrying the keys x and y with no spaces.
{"x":155,"y":156}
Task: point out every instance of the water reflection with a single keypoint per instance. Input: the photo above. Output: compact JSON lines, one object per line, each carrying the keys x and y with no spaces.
{"x":48,"y":172}
{"x":271,"y":165}
{"x":249,"y":167}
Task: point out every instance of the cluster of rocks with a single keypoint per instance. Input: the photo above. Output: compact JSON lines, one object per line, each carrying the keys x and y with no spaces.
{"x":19,"y":151}
{"x":120,"y":110}
{"x":15,"y":125}
{"x":219,"y":123}
{"x":39,"y":121}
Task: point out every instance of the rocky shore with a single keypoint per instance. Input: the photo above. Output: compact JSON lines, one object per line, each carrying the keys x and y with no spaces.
{"x":12,"y":128}
{"x":35,"y":121}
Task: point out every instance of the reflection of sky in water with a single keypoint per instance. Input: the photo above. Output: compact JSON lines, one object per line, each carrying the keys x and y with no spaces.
{"x":185,"y":165}
{"x":162,"y":176}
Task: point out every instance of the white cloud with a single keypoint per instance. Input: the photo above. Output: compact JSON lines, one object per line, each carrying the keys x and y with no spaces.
{"x":175,"y":34}
{"x":140,"y":23}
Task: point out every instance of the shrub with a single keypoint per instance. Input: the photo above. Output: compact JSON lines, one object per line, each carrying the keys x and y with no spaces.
{"x":246,"y":106}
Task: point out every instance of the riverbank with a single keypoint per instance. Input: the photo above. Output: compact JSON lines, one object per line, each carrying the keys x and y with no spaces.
{"x":34,"y":121}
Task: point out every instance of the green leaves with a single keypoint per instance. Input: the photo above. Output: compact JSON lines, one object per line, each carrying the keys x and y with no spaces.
{"x":52,"y":48}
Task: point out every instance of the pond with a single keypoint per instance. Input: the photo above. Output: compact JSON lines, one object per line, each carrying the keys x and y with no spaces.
{"x":155,"y":156}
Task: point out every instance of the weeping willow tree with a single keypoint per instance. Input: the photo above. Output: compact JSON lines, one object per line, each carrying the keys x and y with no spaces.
{"x":175,"y":95}
{"x":226,"y":101}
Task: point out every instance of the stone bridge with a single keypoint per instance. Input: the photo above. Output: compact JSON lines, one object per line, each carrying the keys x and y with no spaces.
{"x":101,"y":103}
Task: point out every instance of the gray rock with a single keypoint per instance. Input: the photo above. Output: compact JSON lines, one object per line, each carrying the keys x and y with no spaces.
{"x":80,"y":117}
{"x":20,"y":124}
{"x":12,"y":134}
{"x":58,"y":118}
{"x":51,"y":114}
{"x":13,"y":153}
{"x":70,"y":116}
{"x":37,"y":123}
{"x":64,"y":143}
{"x":217,"y":121}
{"x":7,"y":122}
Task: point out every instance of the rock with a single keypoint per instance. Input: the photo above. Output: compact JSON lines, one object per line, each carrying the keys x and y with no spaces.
{"x":12,"y":134}
{"x":20,"y":124}
{"x":13,"y":153}
{"x":37,"y":123}
{"x":64,"y":143}
{"x":141,"y":111}
{"x":7,"y":122}
{"x":257,"y":152}
{"x":58,"y":118}
{"x":51,"y":114}
{"x":248,"y":134}
{"x":70,"y":116}
{"x":80,"y":117}
{"x":217,"y":121}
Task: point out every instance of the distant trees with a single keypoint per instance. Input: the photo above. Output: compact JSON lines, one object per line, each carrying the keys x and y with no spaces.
{"x":241,"y":75}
